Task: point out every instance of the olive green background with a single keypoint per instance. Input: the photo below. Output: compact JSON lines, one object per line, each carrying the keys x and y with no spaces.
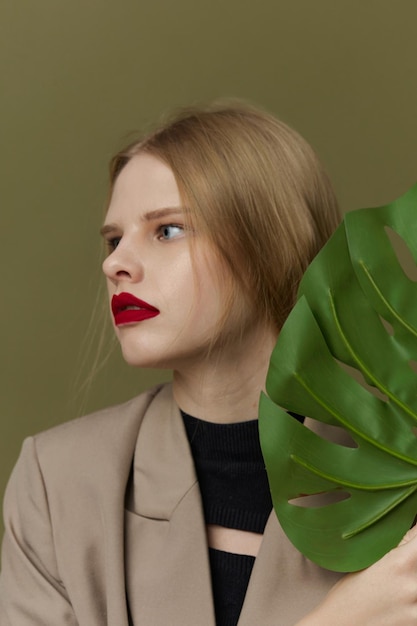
{"x":78,"y":76}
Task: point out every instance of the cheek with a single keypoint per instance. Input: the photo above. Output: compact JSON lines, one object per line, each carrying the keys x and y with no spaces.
{"x":202,"y":287}
{"x":110,"y":287}
{"x":209,"y":298}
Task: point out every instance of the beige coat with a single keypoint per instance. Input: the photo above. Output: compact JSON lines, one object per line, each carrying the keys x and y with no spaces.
{"x":105,"y":527}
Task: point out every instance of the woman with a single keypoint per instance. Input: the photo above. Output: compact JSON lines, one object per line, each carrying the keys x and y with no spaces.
{"x":153,"y":513}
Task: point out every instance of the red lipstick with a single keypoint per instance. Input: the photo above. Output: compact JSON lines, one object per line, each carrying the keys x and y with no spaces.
{"x":128,"y":309}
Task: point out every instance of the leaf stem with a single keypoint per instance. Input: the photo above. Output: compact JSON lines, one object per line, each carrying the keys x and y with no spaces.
{"x":349,"y":427}
{"x":351,"y":533}
{"x":346,"y":483}
{"x":390,"y":308}
{"x":363,"y":367}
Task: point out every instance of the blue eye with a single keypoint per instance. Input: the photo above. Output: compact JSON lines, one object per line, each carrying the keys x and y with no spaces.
{"x":170,"y":231}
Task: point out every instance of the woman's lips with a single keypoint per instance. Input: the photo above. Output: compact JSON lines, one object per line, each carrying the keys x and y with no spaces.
{"x":128,"y":309}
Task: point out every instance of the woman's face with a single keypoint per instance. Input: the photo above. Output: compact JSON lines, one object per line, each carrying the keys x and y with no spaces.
{"x":172,"y":302}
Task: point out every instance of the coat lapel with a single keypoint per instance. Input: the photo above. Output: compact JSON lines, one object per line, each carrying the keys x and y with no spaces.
{"x":284,"y":585}
{"x":166,"y":560}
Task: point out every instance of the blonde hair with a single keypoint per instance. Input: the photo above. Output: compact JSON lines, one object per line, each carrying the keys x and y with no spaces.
{"x":257,"y":190}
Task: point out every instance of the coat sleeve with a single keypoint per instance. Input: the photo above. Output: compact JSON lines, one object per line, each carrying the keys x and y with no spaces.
{"x":31,"y":592}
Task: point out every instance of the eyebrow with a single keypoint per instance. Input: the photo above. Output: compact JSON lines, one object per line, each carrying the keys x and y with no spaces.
{"x":149,"y":216}
{"x":165,"y":212}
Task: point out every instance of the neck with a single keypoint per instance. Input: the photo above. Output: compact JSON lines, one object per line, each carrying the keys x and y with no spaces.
{"x":225,"y":387}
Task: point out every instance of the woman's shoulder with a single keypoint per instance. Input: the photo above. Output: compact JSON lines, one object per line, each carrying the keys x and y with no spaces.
{"x":92,"y":440}
{"x":105,"y":420}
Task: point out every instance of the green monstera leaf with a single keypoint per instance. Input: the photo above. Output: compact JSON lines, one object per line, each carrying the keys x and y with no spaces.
{"x":346,"y":358}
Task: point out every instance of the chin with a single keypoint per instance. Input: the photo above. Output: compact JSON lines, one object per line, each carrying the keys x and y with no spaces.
{"x":141,"y":357}
{"x":161,"y":359}
{"x":142,"y":360}
{"x":163,"y":351}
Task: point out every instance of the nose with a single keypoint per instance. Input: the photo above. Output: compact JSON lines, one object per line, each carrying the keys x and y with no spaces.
{"x":123,"y":264}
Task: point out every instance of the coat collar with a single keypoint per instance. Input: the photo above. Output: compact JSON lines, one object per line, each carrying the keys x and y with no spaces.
{"x":163,"y":470}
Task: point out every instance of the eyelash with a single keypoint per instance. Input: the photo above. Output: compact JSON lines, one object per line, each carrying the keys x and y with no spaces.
{"x":113,"y":242}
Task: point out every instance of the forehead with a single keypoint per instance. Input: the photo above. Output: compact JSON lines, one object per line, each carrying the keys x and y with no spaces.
{"x":144,"y":184}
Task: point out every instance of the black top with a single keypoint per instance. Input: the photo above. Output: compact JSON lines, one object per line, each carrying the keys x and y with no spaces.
{"x":235,"y":493}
